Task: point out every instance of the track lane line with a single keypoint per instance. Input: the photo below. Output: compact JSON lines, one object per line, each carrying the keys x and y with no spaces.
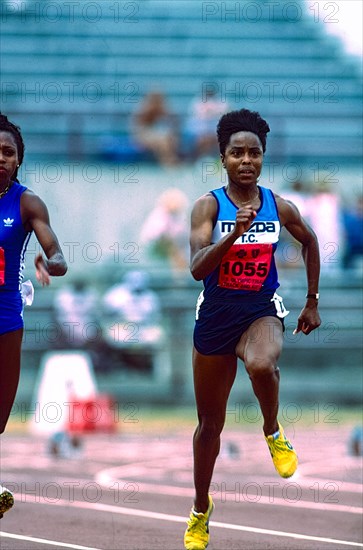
{"x":46,"y":541}
{"x":146,"y":514}
{"x":106,"y":481}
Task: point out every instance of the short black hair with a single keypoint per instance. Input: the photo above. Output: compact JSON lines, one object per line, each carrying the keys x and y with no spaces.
{"x":241,"y":121}
{"x":7,"y":126}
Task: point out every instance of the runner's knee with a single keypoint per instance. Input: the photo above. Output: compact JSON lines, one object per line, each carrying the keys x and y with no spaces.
{"x":210,"y":426}
{"x":261,"y":367}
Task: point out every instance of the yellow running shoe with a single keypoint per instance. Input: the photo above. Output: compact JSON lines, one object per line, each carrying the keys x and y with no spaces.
{"x":196,"y":536}
{"x":283,"y":454}
{"x":6,"y":500}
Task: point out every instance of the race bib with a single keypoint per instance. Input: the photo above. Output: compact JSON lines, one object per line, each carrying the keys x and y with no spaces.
{"x":2,"y":266}
{"x":245,"y":266}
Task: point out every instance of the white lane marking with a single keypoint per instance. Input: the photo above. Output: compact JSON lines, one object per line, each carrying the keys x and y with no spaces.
{"x":46,"y":541}
{"x":342,"y":486}
{"x":107,"y":481}
{"x":97,"y":506}
{"x":315,"y":467}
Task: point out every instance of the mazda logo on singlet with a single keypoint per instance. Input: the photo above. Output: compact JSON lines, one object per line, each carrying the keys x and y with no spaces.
{"x":256,"y":227}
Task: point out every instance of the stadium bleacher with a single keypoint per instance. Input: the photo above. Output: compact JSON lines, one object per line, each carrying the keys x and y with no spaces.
{"x":76,"y":73}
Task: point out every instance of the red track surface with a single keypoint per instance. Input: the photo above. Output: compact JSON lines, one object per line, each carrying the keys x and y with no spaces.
{"x":134,"y":492}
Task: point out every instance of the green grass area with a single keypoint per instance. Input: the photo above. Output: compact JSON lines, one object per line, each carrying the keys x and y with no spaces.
{"x":248,"y":416}
{"x":169,"y":420}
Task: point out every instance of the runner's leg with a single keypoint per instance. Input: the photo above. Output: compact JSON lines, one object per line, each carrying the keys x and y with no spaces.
{"x":260,"y":348}
{"x":213,"y":379}
{"x":10,"y":353}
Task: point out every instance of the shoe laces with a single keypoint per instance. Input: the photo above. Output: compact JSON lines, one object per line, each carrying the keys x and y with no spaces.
{"x":280,"y":445}
{"x":198,"y":523}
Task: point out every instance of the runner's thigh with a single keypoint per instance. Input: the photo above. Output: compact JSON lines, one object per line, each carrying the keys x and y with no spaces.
{"x":262,"y":340}
{"x":213,"y":379}
{"x":10,"y":352}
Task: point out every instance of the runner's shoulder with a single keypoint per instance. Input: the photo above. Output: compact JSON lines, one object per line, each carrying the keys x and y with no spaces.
{"x":287,"y":210}
{"x":206,"y":202}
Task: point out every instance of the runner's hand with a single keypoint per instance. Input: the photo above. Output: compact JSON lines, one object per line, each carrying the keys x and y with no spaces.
{"x":244,"y":219}
{"x":41,"y":273}
{"x":309,"y":320}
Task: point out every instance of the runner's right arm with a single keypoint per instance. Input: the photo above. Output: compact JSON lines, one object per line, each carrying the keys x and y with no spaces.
{"x":204,"y":256}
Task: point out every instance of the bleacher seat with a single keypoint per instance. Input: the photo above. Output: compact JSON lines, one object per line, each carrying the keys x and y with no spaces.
{"x":82,"y":72}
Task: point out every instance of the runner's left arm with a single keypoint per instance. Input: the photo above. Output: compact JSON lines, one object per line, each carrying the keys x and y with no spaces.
{"x":36,"y":218}
{"x":295,"y":224}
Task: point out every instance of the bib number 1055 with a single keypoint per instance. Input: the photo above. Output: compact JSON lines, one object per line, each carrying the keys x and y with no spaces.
{"x":245,"y":267}
{"x":249,"y":269}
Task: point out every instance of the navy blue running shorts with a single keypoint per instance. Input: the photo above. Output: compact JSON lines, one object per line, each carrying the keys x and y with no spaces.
{"x":219,"y":325}
{"x":11,"y":311}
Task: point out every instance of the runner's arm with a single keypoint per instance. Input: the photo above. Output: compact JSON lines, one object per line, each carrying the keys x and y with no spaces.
{"x":204,"y":256}
{"x":36,"y":218}
{"x":290,"y":217}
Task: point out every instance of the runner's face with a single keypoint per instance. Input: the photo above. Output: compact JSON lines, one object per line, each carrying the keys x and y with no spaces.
{"x":243,"y":158}
{"x":8,"y":157}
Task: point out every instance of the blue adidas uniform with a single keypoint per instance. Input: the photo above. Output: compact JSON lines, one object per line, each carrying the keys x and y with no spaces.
{"x":13,"y":242}
{"x":242,"y":287}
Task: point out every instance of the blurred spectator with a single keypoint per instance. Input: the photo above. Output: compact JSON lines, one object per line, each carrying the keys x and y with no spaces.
{"x":353,"y":233}
{"x":326,"y":222}
{"x":165,"y":230}
{"x":300,"y":195}
{"x":132,"y":300}
{"x":155,"y":129}
{"x":75,"y":309}
{"x":288,"y":252}
{"x":201,"y":125}
{"x":132,"y":322}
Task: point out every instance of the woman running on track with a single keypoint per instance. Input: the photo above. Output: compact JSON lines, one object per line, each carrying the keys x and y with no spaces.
{"x":21,"y":213}
{"x":234,"y":234}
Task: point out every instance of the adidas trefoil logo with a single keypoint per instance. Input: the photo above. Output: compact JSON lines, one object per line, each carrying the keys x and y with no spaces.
{"x":8,"y":222}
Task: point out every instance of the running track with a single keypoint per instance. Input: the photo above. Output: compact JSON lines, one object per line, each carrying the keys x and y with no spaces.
{"x":133,"y":491}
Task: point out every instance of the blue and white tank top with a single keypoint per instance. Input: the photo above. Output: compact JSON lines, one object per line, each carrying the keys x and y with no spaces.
{"x":13,"y":239}
{"x":249,"y":265}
